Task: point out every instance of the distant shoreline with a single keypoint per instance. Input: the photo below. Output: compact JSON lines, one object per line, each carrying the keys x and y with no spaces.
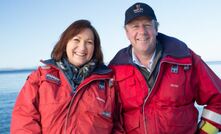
{"x":7,"y":71}
{"x":213,"y":62}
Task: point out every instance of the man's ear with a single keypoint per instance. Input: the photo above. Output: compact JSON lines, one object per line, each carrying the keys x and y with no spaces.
{"x":126,"y":31}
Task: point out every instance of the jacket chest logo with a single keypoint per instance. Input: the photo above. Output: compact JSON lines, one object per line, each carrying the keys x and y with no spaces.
{"x":102,"y":85}
{"x":174,"y":69}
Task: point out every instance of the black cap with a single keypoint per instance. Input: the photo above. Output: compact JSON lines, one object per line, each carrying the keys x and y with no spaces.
{"x":137,"y":10}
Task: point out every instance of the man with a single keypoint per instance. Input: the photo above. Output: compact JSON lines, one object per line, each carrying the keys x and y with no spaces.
{"x":160,"y":79}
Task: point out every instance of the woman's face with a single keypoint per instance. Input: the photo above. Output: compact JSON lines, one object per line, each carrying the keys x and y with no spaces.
{"x":80,"y":48}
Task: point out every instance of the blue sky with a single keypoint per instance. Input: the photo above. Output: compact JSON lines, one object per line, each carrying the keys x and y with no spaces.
{"x":29,"y":29}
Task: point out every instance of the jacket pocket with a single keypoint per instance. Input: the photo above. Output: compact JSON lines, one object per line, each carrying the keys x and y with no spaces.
{"x":97,"y":104}
{"x":131,"y":121}
{"x":51,"y":93}
{"x":181,"y":119}
{"x":128,"y":88}
{"x":128,"y":93}
{"x":172,"y":89}
{"x":103,"y":120}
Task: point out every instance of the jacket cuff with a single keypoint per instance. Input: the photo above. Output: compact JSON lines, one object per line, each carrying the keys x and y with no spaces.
{"x":211,"y":116}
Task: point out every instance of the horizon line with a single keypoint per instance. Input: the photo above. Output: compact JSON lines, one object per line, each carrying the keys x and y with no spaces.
{"x":10,"y":69}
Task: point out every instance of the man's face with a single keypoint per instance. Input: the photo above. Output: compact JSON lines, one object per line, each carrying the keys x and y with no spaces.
{"x":142,"y":34}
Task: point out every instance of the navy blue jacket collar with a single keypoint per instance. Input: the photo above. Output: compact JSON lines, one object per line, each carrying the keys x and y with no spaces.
{"x":171,"y":47}
{"x":100,"y":69}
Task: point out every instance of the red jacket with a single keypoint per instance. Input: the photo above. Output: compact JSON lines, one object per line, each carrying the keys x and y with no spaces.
{"x":46,"y":104}
{"x":182,"y":79}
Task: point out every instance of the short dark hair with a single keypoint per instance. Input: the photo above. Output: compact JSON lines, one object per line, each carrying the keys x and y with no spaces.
{"x":59,"y":50}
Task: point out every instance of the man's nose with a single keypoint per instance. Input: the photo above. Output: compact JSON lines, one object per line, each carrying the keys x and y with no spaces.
{"x":142,"y":29}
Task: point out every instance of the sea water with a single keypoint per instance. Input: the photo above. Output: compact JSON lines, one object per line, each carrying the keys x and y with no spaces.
{"x":11,"y":83}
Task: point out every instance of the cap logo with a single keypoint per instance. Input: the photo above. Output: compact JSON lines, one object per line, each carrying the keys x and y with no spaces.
{"x":138,"y":9}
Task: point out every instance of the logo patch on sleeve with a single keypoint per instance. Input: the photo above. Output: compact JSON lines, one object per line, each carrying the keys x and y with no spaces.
{"x":53,"y":78}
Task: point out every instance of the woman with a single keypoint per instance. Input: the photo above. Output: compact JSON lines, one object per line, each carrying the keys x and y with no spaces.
{"x":73,"y":92}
